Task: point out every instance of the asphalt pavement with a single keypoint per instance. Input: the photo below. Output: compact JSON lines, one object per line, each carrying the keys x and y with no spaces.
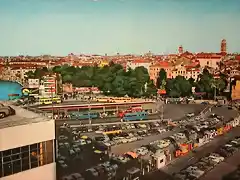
{"x":123,"y":148}
{"x":229,"y":165}
{"x":171,"y":111}
{"x":193,"y":157}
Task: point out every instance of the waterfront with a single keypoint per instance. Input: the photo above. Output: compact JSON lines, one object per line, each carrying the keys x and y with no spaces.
{"x":8,"y":87}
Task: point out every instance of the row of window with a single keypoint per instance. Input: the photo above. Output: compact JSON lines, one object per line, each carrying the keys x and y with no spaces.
{"x":27,"y":157}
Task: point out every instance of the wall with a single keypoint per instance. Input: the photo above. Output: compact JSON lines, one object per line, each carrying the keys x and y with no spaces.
{"x":26,"y":134}
{"x":236,"y":91}
{"x":133,"y":65}
{"x":46,"y":172}
{"x":67,"y":88}
{"x":211,"y":62}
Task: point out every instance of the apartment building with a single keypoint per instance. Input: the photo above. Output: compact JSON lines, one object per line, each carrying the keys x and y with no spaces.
{"x":155,"y":69}
{"x":138,"y":63}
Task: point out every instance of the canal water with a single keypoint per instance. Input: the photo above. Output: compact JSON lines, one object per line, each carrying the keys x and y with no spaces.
{"x":8,"y":87}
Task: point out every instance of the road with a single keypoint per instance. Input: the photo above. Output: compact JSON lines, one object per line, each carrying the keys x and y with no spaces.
{"x":123,"y":148}
{"x":98,"y":121}
{"x":171,"y":111}
{"x":224,"y":111}
{"x":229,"y":165}
{"x":191,"y":158}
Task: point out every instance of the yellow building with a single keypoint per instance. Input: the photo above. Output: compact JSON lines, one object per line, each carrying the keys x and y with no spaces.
{"x":236,"y":88}
{"x":103,"y":63}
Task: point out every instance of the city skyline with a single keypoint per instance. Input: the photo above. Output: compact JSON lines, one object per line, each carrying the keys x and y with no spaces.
{"x":117,"y":26}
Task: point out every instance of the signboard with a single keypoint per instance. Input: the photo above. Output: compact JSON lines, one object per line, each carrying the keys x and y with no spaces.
{"x":193,"y":89}
{"x":94,"y":90}
{"x":33,"y":83}
{"x":26,"y":91}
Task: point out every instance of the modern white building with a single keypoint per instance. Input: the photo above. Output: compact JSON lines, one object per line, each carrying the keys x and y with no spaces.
{"x":27,"y":147}
{"x":48,"y":86}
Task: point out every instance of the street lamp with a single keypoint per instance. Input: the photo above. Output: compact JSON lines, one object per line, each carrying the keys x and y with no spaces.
{"x":52,"y":101}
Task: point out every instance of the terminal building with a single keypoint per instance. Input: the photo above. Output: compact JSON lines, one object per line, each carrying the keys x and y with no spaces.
{"x":27,"y":147}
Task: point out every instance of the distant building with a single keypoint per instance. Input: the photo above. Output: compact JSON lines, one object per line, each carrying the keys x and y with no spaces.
{"x":138,"y":63}
{"x":235,"y":94}
{"x":103,"y":63}
{"x":209,"y":60}
{"x":48,"y":86}
{"x":67,"y":88}
{"x":224,"y":46}
{"x":180,"y":50}
{"x":155,"y":69}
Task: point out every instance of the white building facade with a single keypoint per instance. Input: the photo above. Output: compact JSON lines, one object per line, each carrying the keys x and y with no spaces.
{"x":27,"y":152}
{"x":138,"y":63}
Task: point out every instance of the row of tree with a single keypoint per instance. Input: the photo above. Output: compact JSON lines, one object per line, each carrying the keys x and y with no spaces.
{"x":114,"y":80}
{"x":180,"y":87}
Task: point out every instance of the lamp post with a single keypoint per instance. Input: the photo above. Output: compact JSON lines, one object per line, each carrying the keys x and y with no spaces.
{"x":52,"y":102}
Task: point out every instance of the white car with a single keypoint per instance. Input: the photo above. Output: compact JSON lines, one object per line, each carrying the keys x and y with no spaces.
{"x":124,"y":140}
{"x":81,"y":142}
{"x":142,"y":125}
{"x":196,"y":174}
{"x":190,"y":114}
{"x":161,"y":130}
{"x":191,"y":169}
{"x":216,"y":159}
{"x":142,"y":151}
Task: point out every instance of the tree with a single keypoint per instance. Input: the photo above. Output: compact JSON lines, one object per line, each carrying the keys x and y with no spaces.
{"x":162,"y":78}
{"x":220,"y":85}
{"x":67,"y":78}
{"x":205,"y":83}
{"x":112,"y":80}
{"x":178,"y":87}
{"x":151,"y":89}
{"x":30,"y":75}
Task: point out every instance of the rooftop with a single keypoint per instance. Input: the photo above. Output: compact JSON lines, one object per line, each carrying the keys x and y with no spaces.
{"x":22,"y":117}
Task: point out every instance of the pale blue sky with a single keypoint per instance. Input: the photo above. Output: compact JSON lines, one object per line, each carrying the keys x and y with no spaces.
{"x":59,"y":27}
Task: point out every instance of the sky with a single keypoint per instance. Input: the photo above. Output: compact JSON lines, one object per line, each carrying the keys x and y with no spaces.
{"x":60,"y":27}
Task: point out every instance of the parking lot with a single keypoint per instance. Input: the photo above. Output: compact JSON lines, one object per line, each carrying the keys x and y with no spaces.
{"x":117,"y":153}
{"x":211,"y":161}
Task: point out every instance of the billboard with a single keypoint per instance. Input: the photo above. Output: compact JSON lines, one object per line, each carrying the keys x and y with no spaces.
{"x":33,"y":83}
{"x":94,"y":90}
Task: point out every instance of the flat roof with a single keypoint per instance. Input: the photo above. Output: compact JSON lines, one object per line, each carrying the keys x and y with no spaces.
{"x":94,"y":104}
{"x":22,"y":117}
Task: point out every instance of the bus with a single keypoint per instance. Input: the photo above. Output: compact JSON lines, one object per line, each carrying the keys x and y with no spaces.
{"x":130,"y":110}
{"x":112,"y":132}
{"x":135,"y":116}
{"x":54,"y":100}
{"x":81,"y":116}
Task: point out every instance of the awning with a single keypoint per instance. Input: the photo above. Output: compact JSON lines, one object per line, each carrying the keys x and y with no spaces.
{"x":132,"y":154}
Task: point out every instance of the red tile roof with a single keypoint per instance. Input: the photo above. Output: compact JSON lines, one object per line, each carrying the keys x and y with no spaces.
{"x":237,"y":57}
{"x":208,"y":55}
{"x":137,"y":61}
{"x":162,"y":64}
{"x":193,"y":70}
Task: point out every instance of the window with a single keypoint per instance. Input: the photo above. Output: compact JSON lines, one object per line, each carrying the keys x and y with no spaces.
{"x":7,"y":169}
{"x":1,"y":165}
{"x":25,"y":164}
{"x":161,"y":161}
{"x":26,"y":157}
{"x":17,"y":166}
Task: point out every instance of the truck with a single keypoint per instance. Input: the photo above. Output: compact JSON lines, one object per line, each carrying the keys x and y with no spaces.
{"x":6,"y":111}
